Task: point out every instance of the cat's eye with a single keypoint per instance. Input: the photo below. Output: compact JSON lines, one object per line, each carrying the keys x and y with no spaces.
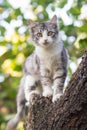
{"x":39,"y":34}
{"x":49,"y":33}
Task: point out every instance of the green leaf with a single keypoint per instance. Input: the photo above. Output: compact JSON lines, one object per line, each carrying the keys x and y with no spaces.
{"x":2,"y":30}
{"x":17,"y":12}
{"x":44,"y":3}
{"x":74,"y":11}
{"x":83,"y":28}
{"x":61,"y":3}
{"x":83,"y":43}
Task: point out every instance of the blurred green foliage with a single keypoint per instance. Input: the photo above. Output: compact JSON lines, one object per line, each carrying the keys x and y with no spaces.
{"x":15,"y":43}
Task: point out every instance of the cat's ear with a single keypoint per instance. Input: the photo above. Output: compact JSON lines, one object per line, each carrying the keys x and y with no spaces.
{"x":54,"y":19}
{"x":31,"y":23}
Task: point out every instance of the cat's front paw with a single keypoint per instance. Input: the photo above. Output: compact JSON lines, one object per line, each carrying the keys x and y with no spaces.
{"x":56,"y":97}
{"x":30,"y":97}
{"x":47,"y":93}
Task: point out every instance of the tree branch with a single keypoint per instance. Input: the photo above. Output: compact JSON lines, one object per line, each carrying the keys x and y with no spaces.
{"x":69,"y":112}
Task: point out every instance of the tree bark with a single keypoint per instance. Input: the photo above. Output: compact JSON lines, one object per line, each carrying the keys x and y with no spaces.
{"x":67,"y":113}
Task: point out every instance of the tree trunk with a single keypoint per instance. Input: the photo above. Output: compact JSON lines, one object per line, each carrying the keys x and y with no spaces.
{"x":69,"y":112}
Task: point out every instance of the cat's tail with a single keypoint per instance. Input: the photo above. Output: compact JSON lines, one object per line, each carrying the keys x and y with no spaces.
{"x":12,"y":124}
{"x":20,"y":116}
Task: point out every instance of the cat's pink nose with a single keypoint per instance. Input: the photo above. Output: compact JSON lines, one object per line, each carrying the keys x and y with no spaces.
{"x":46,"y":40}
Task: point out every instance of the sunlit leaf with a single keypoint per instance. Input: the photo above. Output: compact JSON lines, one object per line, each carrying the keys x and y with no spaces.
{"x":75,"y":11}
{"x":61,"y":3}
{"x":83,"y":28}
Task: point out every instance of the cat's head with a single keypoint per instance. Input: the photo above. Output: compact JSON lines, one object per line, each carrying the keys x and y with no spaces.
{"x":44,"y":34}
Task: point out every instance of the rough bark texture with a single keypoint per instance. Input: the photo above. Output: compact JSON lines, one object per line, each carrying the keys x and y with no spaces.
{"x":69,"y":112}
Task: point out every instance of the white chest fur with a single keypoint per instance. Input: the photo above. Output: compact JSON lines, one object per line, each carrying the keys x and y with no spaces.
{"x":49,"y":56}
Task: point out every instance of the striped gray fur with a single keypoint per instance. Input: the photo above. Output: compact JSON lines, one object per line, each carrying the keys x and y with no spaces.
{"x":45,"y":70}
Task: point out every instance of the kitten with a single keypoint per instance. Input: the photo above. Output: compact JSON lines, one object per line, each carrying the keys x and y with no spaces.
{"x":45,"y":70}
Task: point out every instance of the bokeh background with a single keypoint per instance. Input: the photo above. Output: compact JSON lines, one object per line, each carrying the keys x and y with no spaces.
{"x":16,"y":45}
